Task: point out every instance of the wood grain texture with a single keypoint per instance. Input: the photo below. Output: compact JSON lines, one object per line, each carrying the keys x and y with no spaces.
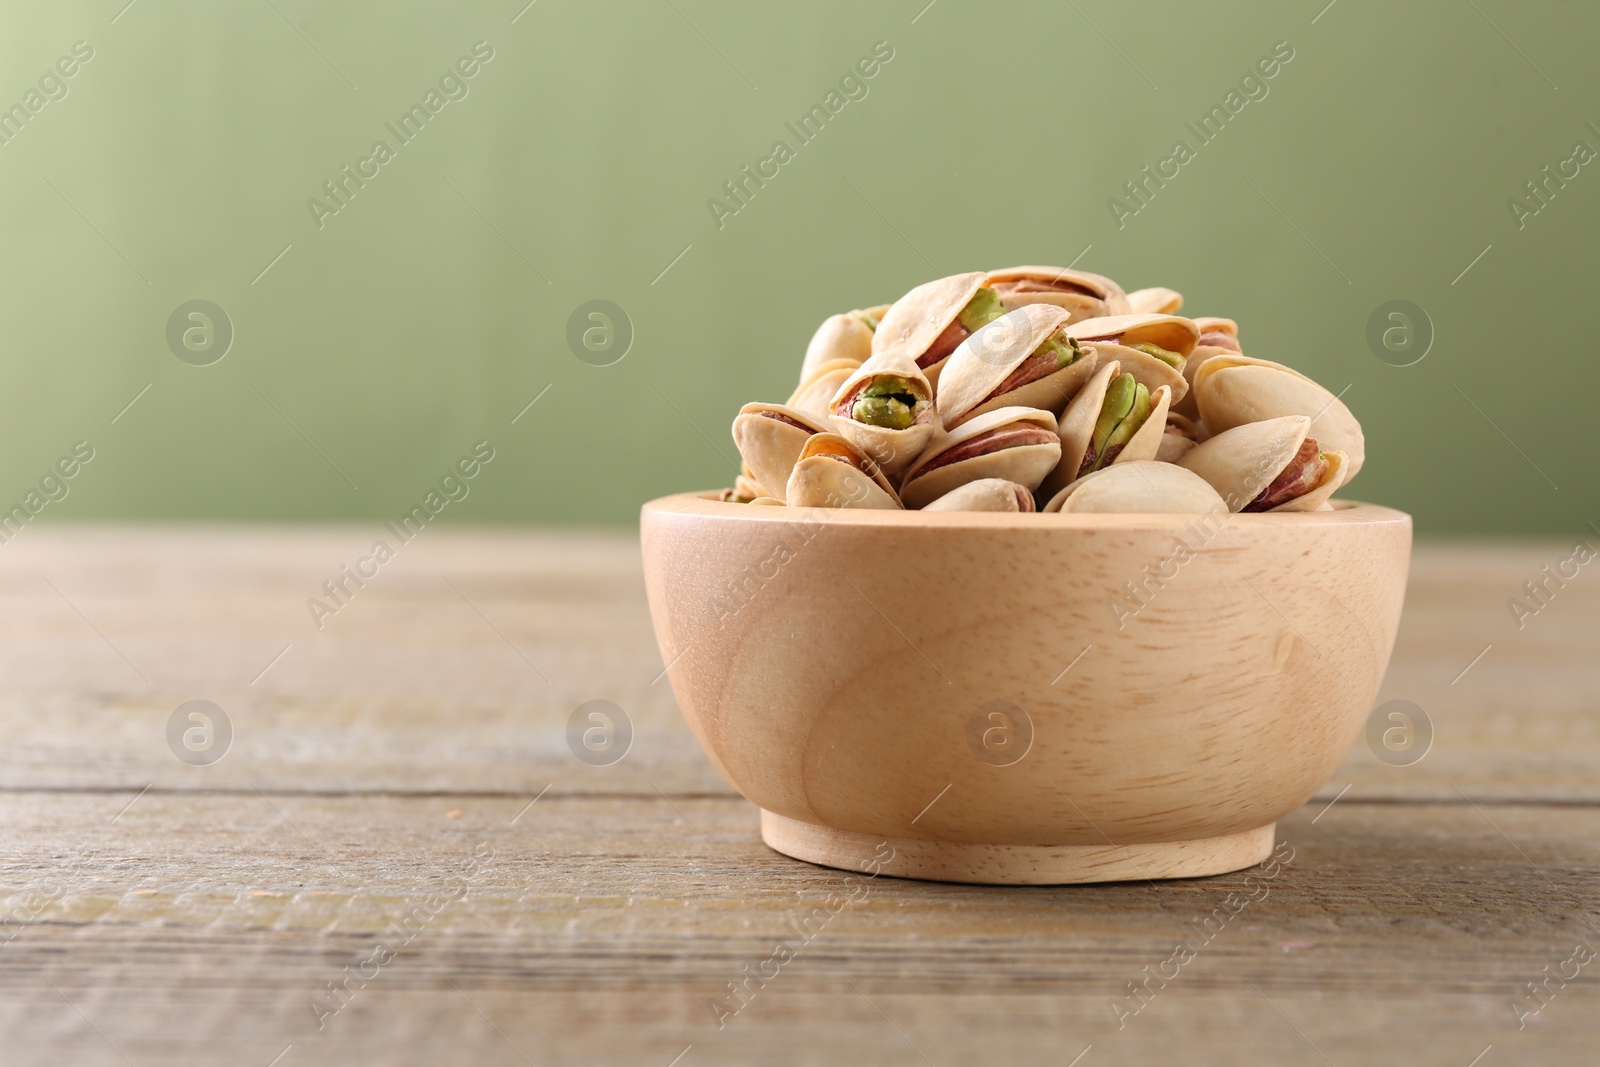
{"x":196,"y":925}
{"x":1048,"y":685}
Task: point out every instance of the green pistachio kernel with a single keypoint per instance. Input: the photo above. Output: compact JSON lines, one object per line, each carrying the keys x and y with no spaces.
{"x":1120,"y":396}
{"x":871,"y":321}
{"x":1126,"y":407}
{"x":888,"y":401}
{"x":890,"y":412}
{"x":982,"y":309}
{"x":1170,"y":358}
{"x":1131,"y":422}
{"x":889,"y":385}
{"x":1062,"y":348}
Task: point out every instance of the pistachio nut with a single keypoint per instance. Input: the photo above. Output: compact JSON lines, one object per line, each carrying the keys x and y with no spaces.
{"x":815,"y":392}
{"x":1177,"y":438}
{"x":1217,"y":337}
{"x":1082,"y":294}
{"x":1231,"y":390}
{"x":931,"y":320}
{"x":1018,"y":444}
{"x":1022,"y":359}
{"x":833,"y":473}
{"x":846,"y":337}
{"x":1218,"y":333}
{"x":1168,"y":338}
{"x":1155,"y":301}
{"x":985,"y":494}
{"x":1141,"y":487}
{"x":769,"y":438}
{"x":886,"y":409}
{"x":1114,"y":418}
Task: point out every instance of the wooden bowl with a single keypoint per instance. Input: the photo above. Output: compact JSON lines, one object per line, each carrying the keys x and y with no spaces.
{"x":1016,"y":699}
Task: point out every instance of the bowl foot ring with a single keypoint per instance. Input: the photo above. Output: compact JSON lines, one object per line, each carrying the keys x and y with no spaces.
{"x":946,"y":861}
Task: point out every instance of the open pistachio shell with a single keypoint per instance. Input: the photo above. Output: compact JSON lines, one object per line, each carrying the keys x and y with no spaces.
{"x":1218,"y":332}
{"x":1316,"y":498}
{"x":1242,"y":461}
{"x":1191,"y":367}
{"x":1082,"y":294}
{"x":1231,"y":390}
{"x":770,"y":501}
{"x":1217,"y":337}
{"x":1143,"y":487}
{"x":1177,"y":438}
{"x":985,"y":494}
{"x":1077,"y":427}
{"x":815,"y":392}
{"x":1146,"y":440}
{"x":769,"y":438}
{"x":1017,"y":444}
{"x":925,"y":315}
{"x":840,"y":337}
{"x":1171,"y":332}
{"x":1150,"y":372}
{"x":853,"y":411}
{"x":1002,"y":365}
{"x":833,"y":473}
{"x":1155,"y":301}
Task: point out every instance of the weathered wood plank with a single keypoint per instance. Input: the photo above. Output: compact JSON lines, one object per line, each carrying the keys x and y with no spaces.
{"x":433,"y":676}
{"x":197,"y":929}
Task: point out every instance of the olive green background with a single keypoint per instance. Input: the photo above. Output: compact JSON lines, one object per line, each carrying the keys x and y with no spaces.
{"x":428,"y":312}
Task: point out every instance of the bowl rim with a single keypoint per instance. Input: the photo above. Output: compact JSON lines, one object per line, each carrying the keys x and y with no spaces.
{"x":702,"y":504}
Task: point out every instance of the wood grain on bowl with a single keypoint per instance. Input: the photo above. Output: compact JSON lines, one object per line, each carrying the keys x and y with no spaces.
{"x":1024,"y":698}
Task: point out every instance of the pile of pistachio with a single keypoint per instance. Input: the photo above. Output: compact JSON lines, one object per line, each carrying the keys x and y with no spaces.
{"x":1048,"y":389}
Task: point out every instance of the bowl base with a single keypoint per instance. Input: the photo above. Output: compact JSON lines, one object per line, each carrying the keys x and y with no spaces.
{"x":946,"y":861}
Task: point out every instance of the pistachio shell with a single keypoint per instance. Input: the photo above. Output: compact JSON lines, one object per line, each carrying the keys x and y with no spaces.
{"x":1191,"y":367}
{"x":1076,"y":428}
{"x":768,"y":500}
{"x":1078,"y":421}
{"x":833,"y":473}
{"x":916,"y":320}
{"x":813,"y":395}
{"x":1177,"y":438}
{"x":1146,"y":369}
{"x":1172,"y":332}
{"x":1242,"y":461}
{"x":1185,"y":426}
{"x":985,"y":494}
{"x":1173,"y":447}
{"x":770,"y":445}
{"x":983,"y":362}
{"x":1142,"y":487}
{"x":1081,"y":293}
{"x":1231,"y":390}
{"x":1026,"y":464}
{"x":1146,"y":440}
{"x":1214,"y":324}
{"x":842,"y":337}
{"x":891,"y":449}
{"x":1155,"y":301}
{"x":1316,"y":498}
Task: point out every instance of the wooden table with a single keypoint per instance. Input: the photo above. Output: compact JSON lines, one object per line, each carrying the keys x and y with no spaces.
{"x":399,"y":814}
